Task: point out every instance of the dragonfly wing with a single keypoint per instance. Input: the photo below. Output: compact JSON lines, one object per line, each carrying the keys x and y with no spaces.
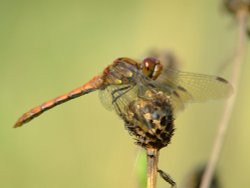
{"x":186,"y":87}
{"x":118,"y":97}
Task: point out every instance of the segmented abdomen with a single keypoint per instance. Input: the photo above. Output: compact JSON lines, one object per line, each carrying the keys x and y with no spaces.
{"x":92,"y":85}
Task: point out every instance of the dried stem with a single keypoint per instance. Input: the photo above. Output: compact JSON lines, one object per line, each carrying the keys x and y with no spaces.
{"x":152,"y":167}
{"x":242,"y":15}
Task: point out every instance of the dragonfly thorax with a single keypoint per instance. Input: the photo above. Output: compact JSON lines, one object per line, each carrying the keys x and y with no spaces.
{"x":127,"y":71}
{"x":123,"y":71}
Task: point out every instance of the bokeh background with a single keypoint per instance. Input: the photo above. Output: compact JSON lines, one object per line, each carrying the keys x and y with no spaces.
{"x":50,"y":47}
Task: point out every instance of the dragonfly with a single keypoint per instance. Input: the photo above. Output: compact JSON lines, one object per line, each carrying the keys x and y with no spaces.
{"x":146,"y":95}
{"x":125,"y":79}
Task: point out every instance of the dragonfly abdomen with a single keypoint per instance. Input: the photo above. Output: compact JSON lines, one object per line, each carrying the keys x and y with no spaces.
{"x":92,"y":85}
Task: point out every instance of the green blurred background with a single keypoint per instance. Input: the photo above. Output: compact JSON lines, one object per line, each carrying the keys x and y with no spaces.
{"x":50,"y":47}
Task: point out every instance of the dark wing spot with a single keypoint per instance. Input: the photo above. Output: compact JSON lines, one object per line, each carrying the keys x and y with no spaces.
{"x":222,"y":80}
{"x":182,"y":89}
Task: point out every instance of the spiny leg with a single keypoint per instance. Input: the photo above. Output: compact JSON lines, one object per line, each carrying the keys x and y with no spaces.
{"x":167,"y":178}
{"x":119,"y":111}
{"x":120,"y":91}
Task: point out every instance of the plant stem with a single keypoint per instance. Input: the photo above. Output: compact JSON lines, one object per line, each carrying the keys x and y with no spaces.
{"x":152,"y":167}
{"x":242,"y":15}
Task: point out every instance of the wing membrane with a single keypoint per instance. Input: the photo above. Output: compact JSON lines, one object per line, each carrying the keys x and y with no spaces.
{"x":190,"y":87}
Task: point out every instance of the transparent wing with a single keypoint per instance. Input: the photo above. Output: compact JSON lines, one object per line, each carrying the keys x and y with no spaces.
{"x":186,"y":87}
{"x":126,"y":84}
{"x":121,"y":95}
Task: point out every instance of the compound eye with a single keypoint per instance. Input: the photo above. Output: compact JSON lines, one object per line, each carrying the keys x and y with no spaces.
{"x":150,"y":67}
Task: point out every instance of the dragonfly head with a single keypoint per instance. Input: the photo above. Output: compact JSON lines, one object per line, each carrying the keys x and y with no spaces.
{"x":151,"y":67}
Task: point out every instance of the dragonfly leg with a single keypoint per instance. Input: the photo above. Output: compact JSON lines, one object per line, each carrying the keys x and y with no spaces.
{"x":120,"y":91}
{"x":167,"y":178}
{"x":115,"y":98}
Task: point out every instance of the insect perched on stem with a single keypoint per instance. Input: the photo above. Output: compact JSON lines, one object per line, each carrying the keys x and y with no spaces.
{"x":146,"y":95}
